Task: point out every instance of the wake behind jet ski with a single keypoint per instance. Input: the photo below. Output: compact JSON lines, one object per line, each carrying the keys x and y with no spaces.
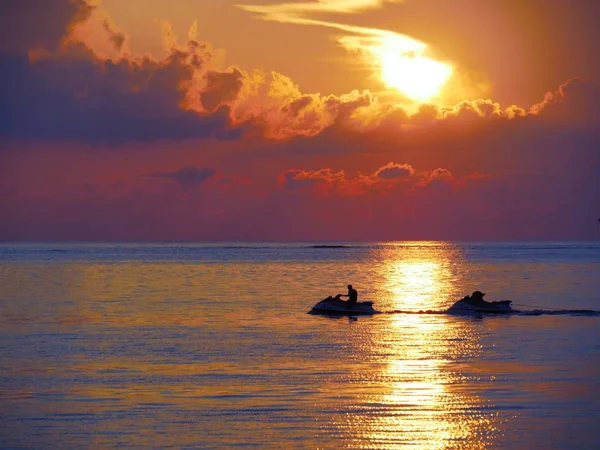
{"x":334,"y":305}
{"x":476,"y":304}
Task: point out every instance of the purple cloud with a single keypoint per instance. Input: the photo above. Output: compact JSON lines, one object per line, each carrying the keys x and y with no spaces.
{"x":189,"y":177}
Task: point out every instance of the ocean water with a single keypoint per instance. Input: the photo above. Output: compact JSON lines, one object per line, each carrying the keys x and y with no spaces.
{"x":210,"y":346}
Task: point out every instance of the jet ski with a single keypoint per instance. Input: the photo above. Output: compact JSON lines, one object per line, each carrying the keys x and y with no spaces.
{"x":333,"y":305}
{"x":476,"y":304}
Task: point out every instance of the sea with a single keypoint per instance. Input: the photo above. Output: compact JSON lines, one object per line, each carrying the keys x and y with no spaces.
{"x":211,"y":346}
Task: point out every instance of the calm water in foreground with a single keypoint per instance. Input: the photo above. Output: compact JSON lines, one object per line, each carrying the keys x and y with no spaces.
{"x":210,"y":346}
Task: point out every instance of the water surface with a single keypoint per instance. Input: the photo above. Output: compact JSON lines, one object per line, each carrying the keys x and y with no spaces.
{"x":211,"y":346}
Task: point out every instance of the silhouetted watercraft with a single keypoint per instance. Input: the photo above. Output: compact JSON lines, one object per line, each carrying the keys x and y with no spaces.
{"x":476,"y":304}
{"x":333,"y":305}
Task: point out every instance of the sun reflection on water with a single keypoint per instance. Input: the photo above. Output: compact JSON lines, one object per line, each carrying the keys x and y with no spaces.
{"x":420,"y":400}
{"x":423,"y":386}
{"x":417,"y":280}
{"x":419,"y":277}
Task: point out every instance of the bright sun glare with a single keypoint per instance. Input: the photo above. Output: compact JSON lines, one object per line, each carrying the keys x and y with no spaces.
{"x":403,"y":67}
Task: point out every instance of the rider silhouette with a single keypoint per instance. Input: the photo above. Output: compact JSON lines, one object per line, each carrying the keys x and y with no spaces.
{"x":352,"y":296}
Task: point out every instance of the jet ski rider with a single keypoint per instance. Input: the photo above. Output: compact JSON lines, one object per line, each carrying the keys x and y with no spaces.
{"x":352,"y":296}
{"x":477,"y":298}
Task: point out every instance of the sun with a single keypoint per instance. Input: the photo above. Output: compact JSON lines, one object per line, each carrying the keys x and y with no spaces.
{"x":404,"y":67}
{"x":417,"y":77}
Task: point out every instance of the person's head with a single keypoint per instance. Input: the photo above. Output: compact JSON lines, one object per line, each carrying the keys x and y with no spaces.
{"x":349,"y":286}
{"x":477,"y":294}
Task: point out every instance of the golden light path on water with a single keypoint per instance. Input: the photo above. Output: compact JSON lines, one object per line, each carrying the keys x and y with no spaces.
{"x":417,"y":400}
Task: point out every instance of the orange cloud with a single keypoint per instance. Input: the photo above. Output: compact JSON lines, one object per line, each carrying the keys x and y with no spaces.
{"x":277,"y":106}
{"x":188,"y":93}
{"x":380,"y":182}
{"x":191,"y":84}
{"x":323,"y":178}
{"x":404,"y":65}
{"x":438,"y":177}
{"x":394,"y":171}
{"x":477,"y":169}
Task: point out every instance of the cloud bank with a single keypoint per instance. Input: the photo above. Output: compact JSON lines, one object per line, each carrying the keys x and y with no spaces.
{"x":128,"y":147}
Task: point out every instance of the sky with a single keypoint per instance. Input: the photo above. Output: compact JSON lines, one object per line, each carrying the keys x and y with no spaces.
{"x":309,"y":120}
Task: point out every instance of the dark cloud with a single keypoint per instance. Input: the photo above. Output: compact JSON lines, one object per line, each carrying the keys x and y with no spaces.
{"x":189,"y":177}
{"x":54,"y":88}
{"x":221,"y":87}
{"x":437,"y":179}
{"x":75,"y":96}
{"x":576,"y":102}
{"x":298,"y":105}
{"x":27,"y":24}
{"x":116,"y":37}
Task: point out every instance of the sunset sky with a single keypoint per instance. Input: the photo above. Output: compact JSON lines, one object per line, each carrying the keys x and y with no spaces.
{"x":337,"y":120}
